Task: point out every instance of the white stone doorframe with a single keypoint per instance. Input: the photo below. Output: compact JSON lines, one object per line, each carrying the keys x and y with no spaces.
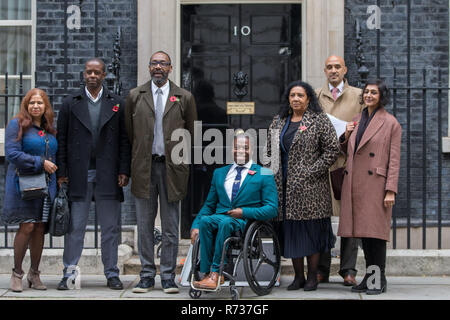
{"x":159,"y":24}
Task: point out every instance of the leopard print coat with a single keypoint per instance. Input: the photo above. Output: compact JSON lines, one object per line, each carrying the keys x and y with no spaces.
{"x":312,"y":152}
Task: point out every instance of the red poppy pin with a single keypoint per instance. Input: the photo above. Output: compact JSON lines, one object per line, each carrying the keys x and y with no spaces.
{"x":174,"y":99}
{"x":251,"y":172}
{"x":303,"y":128}
{"x":355,"y":123}
{"x":116,"y":107}
{"x":41,"y":133}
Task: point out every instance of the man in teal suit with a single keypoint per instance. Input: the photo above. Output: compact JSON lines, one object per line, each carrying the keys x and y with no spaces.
{"x":240,"y":191}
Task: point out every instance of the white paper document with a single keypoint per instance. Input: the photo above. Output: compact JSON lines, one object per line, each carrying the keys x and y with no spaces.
{"x":339,"y":125}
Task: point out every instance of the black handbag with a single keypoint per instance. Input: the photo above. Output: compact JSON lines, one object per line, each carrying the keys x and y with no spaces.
{"x":34,"y":186}
{"x":337,"y":178}
{"x":60,"y":213}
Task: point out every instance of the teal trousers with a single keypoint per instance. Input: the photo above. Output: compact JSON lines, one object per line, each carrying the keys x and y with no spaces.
{"x":222,"y":226}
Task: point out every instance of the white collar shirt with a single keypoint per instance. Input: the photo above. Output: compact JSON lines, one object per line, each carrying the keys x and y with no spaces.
{"x":340,"y":87}
{"x":89,"y":95}
{"x":165,"y":92}
{"x":231,"y":176}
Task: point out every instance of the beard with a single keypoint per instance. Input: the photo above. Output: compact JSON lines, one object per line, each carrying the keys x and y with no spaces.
{"x":162,"y":80}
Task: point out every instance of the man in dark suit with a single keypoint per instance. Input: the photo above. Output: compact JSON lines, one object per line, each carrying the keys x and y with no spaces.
{"x":94,"y":159}
{"x":240,"y":191}
{"x":153,"y":112}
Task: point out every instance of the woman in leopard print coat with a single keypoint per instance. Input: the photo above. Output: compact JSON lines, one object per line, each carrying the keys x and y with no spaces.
{"x":302,"y":145}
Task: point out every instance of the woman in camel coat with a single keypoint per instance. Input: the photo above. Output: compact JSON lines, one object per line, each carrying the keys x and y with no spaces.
{"x":372,"y":143}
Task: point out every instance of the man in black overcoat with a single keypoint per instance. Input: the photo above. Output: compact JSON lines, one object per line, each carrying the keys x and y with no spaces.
{"x":94,"y":159}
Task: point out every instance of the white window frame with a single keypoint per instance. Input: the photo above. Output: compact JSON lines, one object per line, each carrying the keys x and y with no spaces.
{"x":24,"y":23}
{"x":21,"y":23}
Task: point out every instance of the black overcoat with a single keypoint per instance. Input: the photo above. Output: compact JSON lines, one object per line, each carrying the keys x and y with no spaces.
{"x":113,"y":150}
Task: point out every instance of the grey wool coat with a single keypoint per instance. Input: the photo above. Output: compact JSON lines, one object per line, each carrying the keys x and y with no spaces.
{"x":314,"y":149}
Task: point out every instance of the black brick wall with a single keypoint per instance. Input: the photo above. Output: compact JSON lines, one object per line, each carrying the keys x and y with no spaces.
{"x":430,"y":51}
{"x":81,"y":46}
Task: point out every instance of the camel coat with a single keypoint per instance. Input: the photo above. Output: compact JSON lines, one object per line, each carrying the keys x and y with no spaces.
{"x":369,"y":173}
{"x":346,"y":107}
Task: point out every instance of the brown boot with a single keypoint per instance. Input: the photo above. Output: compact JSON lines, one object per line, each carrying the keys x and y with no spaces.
{"x":16,"y":281}
{"x":34,"y":281}
{"x":210,"y":282}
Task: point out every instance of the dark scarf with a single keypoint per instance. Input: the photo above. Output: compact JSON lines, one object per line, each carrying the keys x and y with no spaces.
{"x":363,"y":124}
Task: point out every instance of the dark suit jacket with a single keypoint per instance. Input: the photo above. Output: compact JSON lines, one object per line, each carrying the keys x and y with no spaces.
{"x":75,"y":144}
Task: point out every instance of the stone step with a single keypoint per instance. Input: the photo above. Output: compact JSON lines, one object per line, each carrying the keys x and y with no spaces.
{"x":133,"y":265}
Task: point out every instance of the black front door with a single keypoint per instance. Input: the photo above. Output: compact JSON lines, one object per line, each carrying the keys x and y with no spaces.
{"x":219,"y":40}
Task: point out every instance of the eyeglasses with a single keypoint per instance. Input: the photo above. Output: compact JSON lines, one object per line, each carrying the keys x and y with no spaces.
{"x":161,"y":63}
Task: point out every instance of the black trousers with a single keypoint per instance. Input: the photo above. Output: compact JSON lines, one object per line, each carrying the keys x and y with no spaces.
{"x":349,"y":253}
{"x":375,"y":253}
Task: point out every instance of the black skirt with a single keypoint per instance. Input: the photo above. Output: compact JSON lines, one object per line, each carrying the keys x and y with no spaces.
{"x":302,"y":238}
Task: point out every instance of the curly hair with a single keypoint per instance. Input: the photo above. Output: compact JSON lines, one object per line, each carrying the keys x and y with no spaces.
{"x":385,"y":94}
{"x":313,"y":102}
{"x":24,"y":118}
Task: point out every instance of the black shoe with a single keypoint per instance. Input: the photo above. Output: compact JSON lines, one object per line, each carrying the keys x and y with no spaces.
{"x":169,"y":286}
{"x":114,"y":283}
{"x":311,"y":285}
{"x":62,"y":285}
{"x":362,"y":287}
{"x":145,"y":285}
{"x":377,"y":291}
{"x":296,"y":284}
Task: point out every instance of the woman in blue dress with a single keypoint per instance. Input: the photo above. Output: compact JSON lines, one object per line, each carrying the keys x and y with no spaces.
{"x":26,"y":138}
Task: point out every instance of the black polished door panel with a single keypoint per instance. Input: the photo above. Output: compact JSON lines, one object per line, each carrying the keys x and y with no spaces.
{"x":219,"y":40}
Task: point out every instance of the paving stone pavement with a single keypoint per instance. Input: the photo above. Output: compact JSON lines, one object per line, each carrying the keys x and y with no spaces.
{"x":94,"y":287}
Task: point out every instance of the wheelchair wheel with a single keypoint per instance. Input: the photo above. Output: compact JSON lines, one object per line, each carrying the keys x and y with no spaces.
{"x":261,"y":257}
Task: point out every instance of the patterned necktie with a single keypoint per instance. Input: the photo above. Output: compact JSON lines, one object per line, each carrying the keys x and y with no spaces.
{"x":237,"y":183}
{"x":158,"y":137}
{"x":334,"y":93}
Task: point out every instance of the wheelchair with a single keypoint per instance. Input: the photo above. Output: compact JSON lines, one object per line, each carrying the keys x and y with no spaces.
{"x":257,"y":248}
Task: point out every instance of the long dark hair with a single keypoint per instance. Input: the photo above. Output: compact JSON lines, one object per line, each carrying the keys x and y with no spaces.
{"x":24,"y":118}
{"x":385,"y":94}
{"x":313,"y":102}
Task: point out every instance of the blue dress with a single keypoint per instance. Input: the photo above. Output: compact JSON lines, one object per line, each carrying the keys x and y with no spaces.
{"x":25,"y":155}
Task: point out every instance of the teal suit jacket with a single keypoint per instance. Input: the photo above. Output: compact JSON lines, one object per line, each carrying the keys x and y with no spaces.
{"x":257,"y":195}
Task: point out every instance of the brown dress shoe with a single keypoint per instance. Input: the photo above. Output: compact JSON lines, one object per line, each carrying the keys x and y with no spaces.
{"x":210,"y":282}
{"x":349,"y":280}
{"x":196,"y":283}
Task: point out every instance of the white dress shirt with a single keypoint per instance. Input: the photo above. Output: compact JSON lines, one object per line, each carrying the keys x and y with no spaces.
{"x":232,"y":173}
{"x":89,"y":95}
{"x":340,"y":87}
{"x":165,"y":93}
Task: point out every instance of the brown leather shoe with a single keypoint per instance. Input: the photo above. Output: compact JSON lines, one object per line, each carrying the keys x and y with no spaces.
{"x":210,"y":282}
{"x":196,"y":283}
{"x":322,"y":279}
{"x":349,"y":280}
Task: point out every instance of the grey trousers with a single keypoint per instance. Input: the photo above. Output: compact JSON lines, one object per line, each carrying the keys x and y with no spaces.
{"x":108,"y":214}
{"x":349,"y":253}
{"x":146,"y":210}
